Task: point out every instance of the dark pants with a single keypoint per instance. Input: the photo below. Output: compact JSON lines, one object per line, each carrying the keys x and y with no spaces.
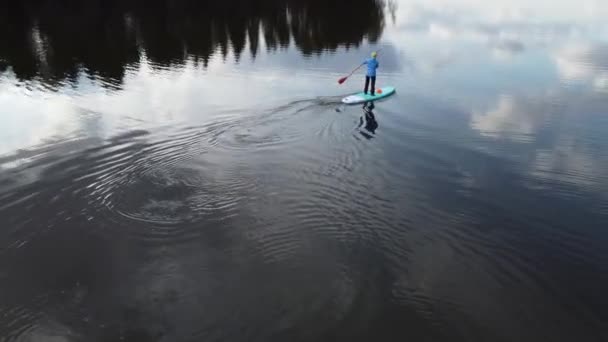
{"x":373,"y":78}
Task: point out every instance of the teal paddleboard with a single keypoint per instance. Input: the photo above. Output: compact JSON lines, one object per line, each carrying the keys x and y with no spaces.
{"x":361,"y":97}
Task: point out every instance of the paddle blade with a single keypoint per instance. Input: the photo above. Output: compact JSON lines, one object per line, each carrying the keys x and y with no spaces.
{"x":342,"y":80}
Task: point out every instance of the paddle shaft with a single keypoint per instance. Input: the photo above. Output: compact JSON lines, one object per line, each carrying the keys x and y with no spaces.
{"x":352,"y":72}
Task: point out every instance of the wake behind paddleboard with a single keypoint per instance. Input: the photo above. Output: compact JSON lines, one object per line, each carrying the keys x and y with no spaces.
{"x":361,"y":97}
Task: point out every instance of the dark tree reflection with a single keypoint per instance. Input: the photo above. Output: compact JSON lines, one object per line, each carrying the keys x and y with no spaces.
{"x":55,"y":40}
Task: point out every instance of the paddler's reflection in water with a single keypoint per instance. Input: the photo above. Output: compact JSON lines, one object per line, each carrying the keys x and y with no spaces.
{"x":369,"y":119}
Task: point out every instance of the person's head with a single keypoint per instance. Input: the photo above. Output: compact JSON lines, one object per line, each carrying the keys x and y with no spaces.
{"x":374,"y":54}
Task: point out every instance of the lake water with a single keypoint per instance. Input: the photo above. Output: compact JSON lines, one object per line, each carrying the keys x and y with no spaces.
{"x":173,"y":170}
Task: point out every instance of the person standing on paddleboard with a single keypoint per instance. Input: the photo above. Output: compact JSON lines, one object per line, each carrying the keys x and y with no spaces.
{"x":372,"y":65}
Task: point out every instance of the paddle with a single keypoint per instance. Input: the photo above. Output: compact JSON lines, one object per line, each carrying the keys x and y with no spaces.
{"x":343,"y":79}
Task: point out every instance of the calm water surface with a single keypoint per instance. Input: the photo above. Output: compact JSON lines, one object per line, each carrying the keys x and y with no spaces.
{"x":173,"y":170}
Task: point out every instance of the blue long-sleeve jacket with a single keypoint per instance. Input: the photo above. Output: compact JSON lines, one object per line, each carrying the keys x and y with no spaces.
{"x":372,"y":65}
